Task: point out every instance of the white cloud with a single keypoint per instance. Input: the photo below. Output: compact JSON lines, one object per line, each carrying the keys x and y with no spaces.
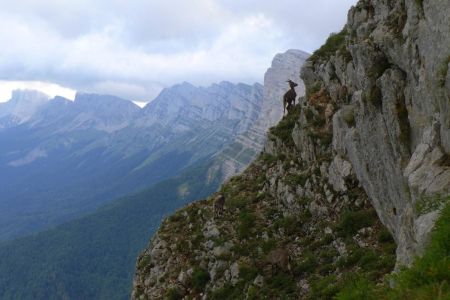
{"x":134,"y":48}
{"x":51,"y":89}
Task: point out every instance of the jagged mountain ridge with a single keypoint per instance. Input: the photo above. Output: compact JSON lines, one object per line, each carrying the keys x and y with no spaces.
{"x":70,"y":157}
{"x":371,"y":133}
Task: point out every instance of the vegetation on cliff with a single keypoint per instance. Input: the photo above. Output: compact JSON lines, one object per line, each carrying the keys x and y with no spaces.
{"x":280,"y":236}
{"x":427,"y":278}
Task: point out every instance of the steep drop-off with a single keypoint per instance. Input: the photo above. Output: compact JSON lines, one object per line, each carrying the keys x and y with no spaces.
{"x":349,"y":184}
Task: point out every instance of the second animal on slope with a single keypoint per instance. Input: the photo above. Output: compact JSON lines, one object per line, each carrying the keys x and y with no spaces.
{"x":289,"y":97}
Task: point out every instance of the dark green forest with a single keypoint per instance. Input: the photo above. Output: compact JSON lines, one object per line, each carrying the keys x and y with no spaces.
{"x":94,"y":257}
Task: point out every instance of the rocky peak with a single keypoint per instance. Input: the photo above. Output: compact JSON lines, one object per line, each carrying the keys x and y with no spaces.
{"x":187,"y":103}
{"x":285,"y":66}
{"x":29,"y":96}
{"x":105,"y":104}
{"x":244,"y":149}
{"x":102,"y":112}
{"x":23,"y":104}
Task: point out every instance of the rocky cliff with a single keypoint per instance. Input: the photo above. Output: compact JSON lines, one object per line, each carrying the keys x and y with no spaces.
{"x":22,"y":106}
{"x":349,"y":184}
{"x":238,"y":155}
{"x":388,"y":88}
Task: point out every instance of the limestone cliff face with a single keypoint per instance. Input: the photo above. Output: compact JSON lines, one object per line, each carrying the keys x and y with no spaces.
{"x":235,"y":157}
{"x":285,"y":66}
{"x":389,"y":86}
{"x":363,"y":157}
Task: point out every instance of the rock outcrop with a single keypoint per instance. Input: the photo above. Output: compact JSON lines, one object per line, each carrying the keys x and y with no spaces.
{"x":235,"y":157}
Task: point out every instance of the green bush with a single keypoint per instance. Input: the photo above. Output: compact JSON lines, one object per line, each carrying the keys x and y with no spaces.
{"x":247,"y":272}
{"x":200,"y":277}
{"x":384,"y":236}
{"x":375,"y":96}
{"x":284,"y":128}
{"x":443,"y":71}
{"x":228,"y":291}
{"x":269,"y":245}
{"x":173,"y":294}
{"x":433,"y":268}
{"x":238,"y":201}
{"x":429,"y":204}
{"x":246,"y":223}
{"x":334,"y":42}
{"x":307,"y":265}
{"x":348,"y":115}
{"x":428,"y":278}
{"x":356,"y":287}
{"x":290,"y":224}
{"x":352,"y":221}
{"x":313,"y":88}
{"x":324,"y":288}
{"x":283,"y":285}
{"x":420,"y":4}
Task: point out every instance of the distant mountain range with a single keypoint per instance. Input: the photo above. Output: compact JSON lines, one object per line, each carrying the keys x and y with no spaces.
{"x":60,"y":159}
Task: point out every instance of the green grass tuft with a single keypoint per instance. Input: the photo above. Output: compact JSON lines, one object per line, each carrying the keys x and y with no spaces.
{"x":200,"y":277}
{"x":284,"y":129}
{"x":443,"y":71}
{"x":352,"y":221}
{"x":428,"y":278}
{"x":335,"y":42}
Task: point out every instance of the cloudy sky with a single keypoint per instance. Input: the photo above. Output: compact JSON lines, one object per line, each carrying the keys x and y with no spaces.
{"x":134,"y":48}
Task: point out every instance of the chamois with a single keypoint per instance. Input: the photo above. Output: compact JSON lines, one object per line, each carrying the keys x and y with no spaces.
{"x":219,"y":202}
{"x":278,"y":259}
{"x":289,"y":97}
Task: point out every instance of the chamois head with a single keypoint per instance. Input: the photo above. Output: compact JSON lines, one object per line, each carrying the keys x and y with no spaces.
{"x":292,"y":84}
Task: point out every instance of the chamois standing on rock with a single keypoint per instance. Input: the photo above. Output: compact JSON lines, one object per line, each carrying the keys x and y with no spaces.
{"x":278,"y":259}
{"x":289,"y":97}
{"x":219,"y":202}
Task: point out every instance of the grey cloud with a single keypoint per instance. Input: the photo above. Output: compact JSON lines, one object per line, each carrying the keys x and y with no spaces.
{"x":134,"y":48}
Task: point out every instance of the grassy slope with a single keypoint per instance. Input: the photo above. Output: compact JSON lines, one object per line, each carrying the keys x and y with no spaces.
{"x":428,"y":278}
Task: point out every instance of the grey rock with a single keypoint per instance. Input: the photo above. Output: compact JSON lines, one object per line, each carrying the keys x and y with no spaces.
{"x":259,"y":281}
{"x":234,"y":273}
{"x":339,"y":170}
{"x":395,"y":132}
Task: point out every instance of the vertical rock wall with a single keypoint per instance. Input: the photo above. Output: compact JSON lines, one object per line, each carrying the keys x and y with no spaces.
{"x":390,"y":91}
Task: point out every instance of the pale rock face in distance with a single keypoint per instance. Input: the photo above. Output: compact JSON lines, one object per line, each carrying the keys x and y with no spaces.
{"x":285,"y":66}
{"x":238,"y":155}
{"x":23,"y":104}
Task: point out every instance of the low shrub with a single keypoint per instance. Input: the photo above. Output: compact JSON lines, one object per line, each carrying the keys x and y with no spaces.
{"x":334,"y":42}
{"x":352,"y":221}
{"x":200,"y":277}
